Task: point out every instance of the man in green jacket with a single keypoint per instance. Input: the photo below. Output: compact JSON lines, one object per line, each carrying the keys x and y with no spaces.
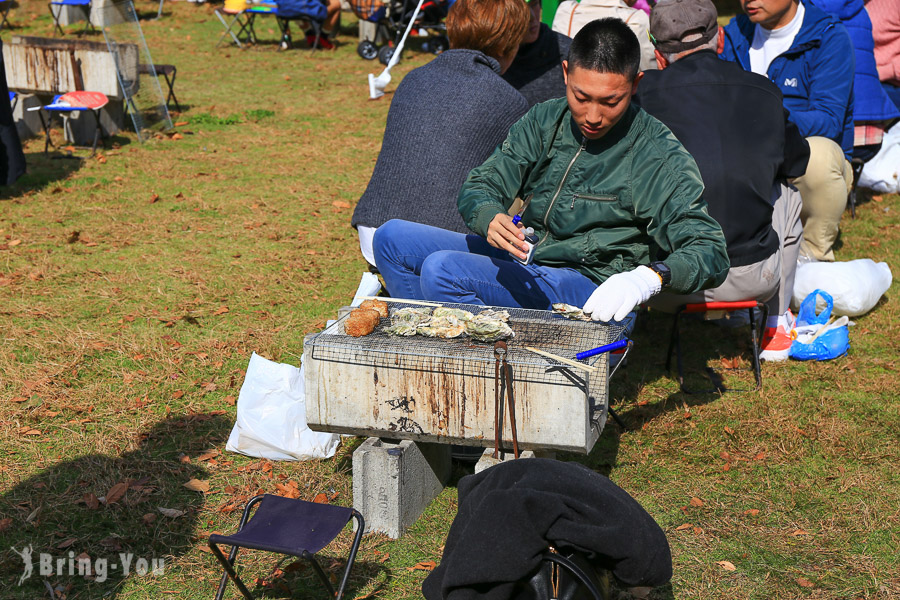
{"x":614,"y":201}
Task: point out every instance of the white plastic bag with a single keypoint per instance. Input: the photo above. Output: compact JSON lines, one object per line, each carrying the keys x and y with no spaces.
{"x":856,"y":286}
{"x":882,"y":171}
{"x":271,"y":416}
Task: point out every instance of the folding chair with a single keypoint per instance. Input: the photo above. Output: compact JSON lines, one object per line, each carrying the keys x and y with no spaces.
{"x":73,"y":102}
{"x":85,"y":5}
{"x":166,"y":71}
{"x":245,"y":19}
{"x":703,"y":307}
{"x":5,"y":5}
{"x":313,"y":12}
{"x":287,"y":526}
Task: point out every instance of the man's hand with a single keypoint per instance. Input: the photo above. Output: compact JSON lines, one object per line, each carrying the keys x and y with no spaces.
{"x":618,"y":295}
{"x":504,"y":235}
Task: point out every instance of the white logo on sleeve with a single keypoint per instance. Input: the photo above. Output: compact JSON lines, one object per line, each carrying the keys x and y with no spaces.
{"x":791,"y":82}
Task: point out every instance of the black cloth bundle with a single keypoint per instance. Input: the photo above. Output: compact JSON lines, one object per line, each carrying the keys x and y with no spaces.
{"x":510,"y":514}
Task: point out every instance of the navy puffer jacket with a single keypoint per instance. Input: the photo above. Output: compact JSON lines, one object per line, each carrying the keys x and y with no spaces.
{"x":870,"y":102}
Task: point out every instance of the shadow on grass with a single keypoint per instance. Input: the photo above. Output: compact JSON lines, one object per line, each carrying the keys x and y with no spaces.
{"x":298,"y":579}
{"x":56,"y":514}
{"x":703,"y":344}
{"x":43,"y":171}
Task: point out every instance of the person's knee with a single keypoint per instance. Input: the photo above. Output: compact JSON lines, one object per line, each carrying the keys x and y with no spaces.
{"x":438,"y":271}
{"x":825,"y":174}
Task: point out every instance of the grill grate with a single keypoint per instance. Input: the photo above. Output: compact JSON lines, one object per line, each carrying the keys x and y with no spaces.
{"x":541,"y":329}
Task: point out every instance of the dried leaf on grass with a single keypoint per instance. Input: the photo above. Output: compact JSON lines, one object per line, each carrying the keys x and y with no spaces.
{"x":221,"y":310}
{"x":427,"y":565}
{"x":173,"y":513}
{"x":728,"y":566}
{"x":321,"y":499}
{"x":196,"y":485}
{"x":799,"y":532}
{"x":804,"y":582}
{"x":115,"y":493}
{"x":5,"y":524}
{"x":696,"y":502}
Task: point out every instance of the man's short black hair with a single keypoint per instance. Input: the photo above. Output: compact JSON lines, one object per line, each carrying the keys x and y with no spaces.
{"x":607,"y":46}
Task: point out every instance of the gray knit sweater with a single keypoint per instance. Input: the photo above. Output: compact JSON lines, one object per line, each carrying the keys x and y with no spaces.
{"x":446,"y":118}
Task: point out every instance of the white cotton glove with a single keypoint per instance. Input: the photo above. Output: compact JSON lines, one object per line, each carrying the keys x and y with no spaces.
{"x":618,"y":295}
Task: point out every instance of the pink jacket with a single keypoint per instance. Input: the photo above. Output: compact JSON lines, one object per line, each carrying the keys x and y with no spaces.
{"x":885,"y":15}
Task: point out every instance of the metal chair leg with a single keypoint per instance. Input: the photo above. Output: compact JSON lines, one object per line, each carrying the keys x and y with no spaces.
{"x":97,"y":131}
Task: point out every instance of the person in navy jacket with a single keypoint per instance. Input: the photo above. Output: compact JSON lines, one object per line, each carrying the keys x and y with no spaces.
{"x":808,"y":54}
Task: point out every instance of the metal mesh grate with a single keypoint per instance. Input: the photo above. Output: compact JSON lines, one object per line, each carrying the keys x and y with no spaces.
{"x":463,"y":356}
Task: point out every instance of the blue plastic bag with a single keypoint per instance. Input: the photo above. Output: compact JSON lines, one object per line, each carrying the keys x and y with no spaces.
{"x":831,"y":344}
{"x":807,"y":313}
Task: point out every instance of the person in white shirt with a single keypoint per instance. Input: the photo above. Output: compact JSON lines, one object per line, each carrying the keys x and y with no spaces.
{"x":808,"y":54}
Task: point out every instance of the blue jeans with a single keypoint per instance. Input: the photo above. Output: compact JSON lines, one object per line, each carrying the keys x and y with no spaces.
{"x":421,"y":262}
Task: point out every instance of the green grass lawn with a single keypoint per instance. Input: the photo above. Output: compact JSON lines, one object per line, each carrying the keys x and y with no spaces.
{"x":134,"y":286}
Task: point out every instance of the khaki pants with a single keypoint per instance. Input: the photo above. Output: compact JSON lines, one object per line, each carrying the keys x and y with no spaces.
{"x":770,"y":280}
{"x":824,"y":188}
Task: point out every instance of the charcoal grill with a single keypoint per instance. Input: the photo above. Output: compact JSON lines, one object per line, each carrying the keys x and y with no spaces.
{"x":442,"y":390}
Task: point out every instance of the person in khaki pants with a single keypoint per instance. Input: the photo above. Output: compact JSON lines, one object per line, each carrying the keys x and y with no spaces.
{"x":809,"y":56}
{"x":824,"y":189}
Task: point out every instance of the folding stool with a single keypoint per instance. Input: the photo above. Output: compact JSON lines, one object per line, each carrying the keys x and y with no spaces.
{"x":61,"y":4}
{"x":73,"y":102}
{"x":292,"y":527}
{"x":702,"y":307}
{"x":165,"y":71}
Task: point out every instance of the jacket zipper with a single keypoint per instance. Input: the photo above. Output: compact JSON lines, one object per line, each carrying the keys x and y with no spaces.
{"x":601,"y":198}
{"x":559,"y":189}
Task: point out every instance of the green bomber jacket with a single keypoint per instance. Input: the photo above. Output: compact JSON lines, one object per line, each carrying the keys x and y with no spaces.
{"x":601,"y":206}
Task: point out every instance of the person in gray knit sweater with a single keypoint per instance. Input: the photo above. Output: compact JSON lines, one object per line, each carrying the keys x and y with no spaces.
{"x":446,"y":118}
{"x":537,"y":70}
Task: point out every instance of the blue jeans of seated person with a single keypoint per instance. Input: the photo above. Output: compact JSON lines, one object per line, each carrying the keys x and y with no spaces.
{"x":421,"y":262}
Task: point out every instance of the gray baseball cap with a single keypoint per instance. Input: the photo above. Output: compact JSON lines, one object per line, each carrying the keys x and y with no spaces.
{"x":672,"y":20}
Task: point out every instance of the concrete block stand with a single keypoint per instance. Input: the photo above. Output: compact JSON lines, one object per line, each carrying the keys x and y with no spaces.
{"x":487,"y":459}
{"x":393,"y":482}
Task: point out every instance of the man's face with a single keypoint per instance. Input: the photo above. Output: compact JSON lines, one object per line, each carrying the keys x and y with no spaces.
{"x":770,"y":14}
{"x":534,"y":26}
{"x":597,"y":100}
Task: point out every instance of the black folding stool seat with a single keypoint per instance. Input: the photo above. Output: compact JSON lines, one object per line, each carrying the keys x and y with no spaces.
{"x":288,"y":526}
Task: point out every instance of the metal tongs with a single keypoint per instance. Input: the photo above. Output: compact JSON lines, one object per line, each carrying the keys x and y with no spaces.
{"x":502,"y":382}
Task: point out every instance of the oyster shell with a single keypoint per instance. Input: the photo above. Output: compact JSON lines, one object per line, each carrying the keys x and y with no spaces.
{"x":462,"y":315}
{"x":570,"y":312}
{"x":447,"y":326}
{"x":405,"y":321}
{"x":488,"y":329}
{"x":403,"y":329}
{"x":490,"y":313}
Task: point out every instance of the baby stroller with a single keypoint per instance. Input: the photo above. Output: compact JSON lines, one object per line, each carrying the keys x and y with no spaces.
{"x":392,"y":18}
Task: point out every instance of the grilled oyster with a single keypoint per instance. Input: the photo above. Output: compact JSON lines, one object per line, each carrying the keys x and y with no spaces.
{"x":487,"y":329}
{"x":403,"y":329}
{"x":490,"y":313}
{"x":462,"y":315}
{"x":404,"y":321}
{"x":570,"y":312}
{"x":447,"y":326}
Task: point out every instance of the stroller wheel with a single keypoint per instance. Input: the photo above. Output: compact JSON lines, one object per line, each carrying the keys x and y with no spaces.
{"x":385,"y":53}
{"x":438,"y":44}
{"x":367,"y":50}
